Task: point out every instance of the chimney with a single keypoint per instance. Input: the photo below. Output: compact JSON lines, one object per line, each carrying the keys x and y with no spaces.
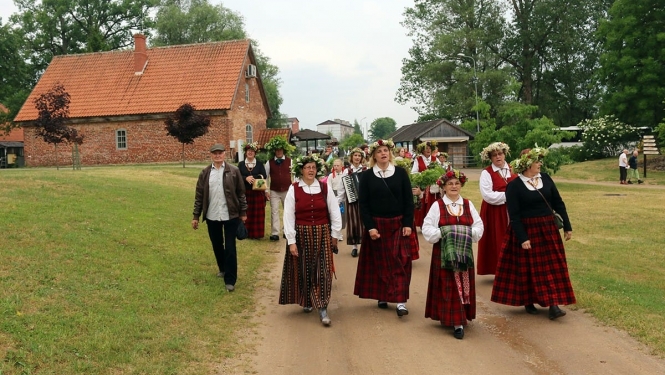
{"x":140,"y":56}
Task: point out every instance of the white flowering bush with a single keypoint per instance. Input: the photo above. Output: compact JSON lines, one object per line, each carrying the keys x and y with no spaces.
{"x":606,"y":136}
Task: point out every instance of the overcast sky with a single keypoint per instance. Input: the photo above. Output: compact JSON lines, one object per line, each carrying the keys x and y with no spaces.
{"x":337,"y":59}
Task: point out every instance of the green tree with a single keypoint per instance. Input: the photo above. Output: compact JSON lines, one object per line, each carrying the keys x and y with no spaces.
{"x":381,"y":127}
{"x":633,"y":64}
{"x":198,"y":21}
{"x":606,"y":136}
{"x":354,"y":140}
{"x":356,"y":128}
{"x":15,"y":74}
{"x":59,"y":27}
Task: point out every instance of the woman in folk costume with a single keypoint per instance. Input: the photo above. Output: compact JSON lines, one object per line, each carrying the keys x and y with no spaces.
{"x":354,"y":224}
{"x":251,"y":169}
{"x":386,"y":207}
{"x":452,"y":224}
{"x":442,"y":159}
{"x":532,"y":264}
{"x":335,"y":180}
{"x":312,"y":224}
{"x":493,"y":211}
{"x":420,"y":164}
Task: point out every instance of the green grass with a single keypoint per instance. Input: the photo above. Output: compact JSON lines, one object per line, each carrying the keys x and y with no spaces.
{"x":101,"y":272}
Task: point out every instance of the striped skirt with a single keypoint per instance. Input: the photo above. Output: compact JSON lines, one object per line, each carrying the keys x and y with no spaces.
{"x":354,"y":226}
{"x":307,"y":278}
{"x":256,"y":213}
{"x":538,"y":275}
{"x":384,"y":265}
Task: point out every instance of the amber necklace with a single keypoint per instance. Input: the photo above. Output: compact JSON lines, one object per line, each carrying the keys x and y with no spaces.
{"x":534,"y":182}
{"x":458,"y":210}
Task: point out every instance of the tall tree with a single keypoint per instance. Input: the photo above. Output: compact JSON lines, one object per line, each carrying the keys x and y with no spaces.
{"x":186,"y":125}
{"x":53,"y":111}
{"x":198,"y":21}
{"x":633,"y":64}
{"x":15,"y":75}
{"x":59,"y":27}
{"x":381,"y":127}
{"x":356,"y":128}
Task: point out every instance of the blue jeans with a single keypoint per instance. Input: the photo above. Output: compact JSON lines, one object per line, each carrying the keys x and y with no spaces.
{"x":223,"y":237}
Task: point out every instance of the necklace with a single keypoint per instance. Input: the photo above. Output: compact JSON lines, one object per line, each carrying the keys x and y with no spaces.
{"x":504,"y":173}
{"x":458,"y":210}
{"x":534,"y":182}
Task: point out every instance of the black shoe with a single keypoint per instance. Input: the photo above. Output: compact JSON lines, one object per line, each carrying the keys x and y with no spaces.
{"x":556,"y":312}
{"x":274,"y":238}
{"x":382,"y":305}
{"x":459,"y":333}
{"x":354,"y":253}
{"x":630,"y":182}
{"x":531,"y":309}
{"x":640,"y":181}
{"x":401,"y":310}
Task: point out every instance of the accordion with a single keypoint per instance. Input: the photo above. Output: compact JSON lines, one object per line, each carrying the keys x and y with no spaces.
{"x":351,"y":183}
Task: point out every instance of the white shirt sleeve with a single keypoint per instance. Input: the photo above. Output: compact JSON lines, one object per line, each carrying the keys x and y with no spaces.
{"x":490,"y":196}
{"x":414,"y":168}
{"x":267,"y":166}
{"x":289,"y":218}
{"x":430,"y":228}
{"x":333,"y":212}
{"x":477,"y":228}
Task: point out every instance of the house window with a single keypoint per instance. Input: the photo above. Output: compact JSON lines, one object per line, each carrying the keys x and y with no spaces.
{"x":249,"y":134}
{"x":121,"y":139}
{"x":247,"y":92}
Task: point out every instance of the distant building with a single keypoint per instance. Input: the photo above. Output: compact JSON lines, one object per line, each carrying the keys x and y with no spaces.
{"x":338,"y":129}
{"x":293,"y":124}
{"x":120,"y":99}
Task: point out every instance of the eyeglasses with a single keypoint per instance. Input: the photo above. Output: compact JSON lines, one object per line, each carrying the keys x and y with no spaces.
{"x":453,"y":183}
{"x":309,"y":167}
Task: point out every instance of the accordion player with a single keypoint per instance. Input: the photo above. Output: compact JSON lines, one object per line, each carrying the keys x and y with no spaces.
{"x":351,"y":183}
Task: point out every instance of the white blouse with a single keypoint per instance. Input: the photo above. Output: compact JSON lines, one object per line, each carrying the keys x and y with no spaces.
{"x":430,"y":227}
{"x":490,"y":196}
{"x":290,"y":210}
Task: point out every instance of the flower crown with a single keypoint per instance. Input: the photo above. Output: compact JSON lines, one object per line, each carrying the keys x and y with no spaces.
{"x":300,"y":162}
{"x":381,"y":142}
{"x":527,"y":158}
{"x":357,"y":150}
{"x":452,"y":174}
{"x":486,"y":153}
{"x":443,"y":154}
{"x":421,"y":146}
{"x":277,"y":142}
{"x":251,"y":146}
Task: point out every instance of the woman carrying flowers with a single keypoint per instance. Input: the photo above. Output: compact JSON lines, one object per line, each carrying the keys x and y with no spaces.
{"x":452,"y":224}
{"x":386,"y":208}
{"x":312,"y":224}
{"x":532,"y":264}
{"x":493,"y":211}
{"x":425,"y":160}
{"x":252,"y":169}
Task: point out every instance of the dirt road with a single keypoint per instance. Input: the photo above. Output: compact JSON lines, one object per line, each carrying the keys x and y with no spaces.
{"x":366,"y":340}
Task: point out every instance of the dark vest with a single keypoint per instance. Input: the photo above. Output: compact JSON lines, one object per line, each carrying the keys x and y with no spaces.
{"x":311,"y":209}
{"x":280,"y":175}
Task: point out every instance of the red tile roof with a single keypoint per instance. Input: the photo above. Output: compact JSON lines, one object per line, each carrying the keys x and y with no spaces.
{"x":266,"y":135}
{"x":104,"y":83}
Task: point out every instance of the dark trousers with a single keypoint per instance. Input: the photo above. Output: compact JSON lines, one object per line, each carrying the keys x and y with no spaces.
{"x":623,"y":173}
{"x":223,"y":237}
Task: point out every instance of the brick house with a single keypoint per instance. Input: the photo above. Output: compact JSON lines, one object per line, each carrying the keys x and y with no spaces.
{"x":120,"y":99}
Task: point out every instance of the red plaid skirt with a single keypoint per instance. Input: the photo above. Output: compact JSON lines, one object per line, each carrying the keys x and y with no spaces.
{"x":495,"y":219}
{"x":256,"y":213}
{"x":538,"y":275}
{"x":443,"y":300}
{"x":354,"y":224}
{"x":384,"y":265}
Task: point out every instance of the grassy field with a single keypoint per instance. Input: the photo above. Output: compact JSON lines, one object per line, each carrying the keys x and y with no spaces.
{"x":101,"y":272}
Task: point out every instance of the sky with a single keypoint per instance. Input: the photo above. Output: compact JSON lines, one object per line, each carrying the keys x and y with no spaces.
{"x":337,"y":59}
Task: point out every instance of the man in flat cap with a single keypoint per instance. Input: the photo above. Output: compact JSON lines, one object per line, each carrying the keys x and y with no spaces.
{"x":220,"y":197}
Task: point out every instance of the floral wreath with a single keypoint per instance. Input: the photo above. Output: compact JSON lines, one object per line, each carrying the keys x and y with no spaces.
{"x":251,"y":146}
{"x":381,"y":142}
{"x":486,"y":153}
{"x":299,"y":163}
{"x":277,"y":142}
{"x":356,"y":150}
{"x":443,"y":154}
{"x":421,"y":146}
{"x":527,"y":158}
{"x":451,"y":174}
